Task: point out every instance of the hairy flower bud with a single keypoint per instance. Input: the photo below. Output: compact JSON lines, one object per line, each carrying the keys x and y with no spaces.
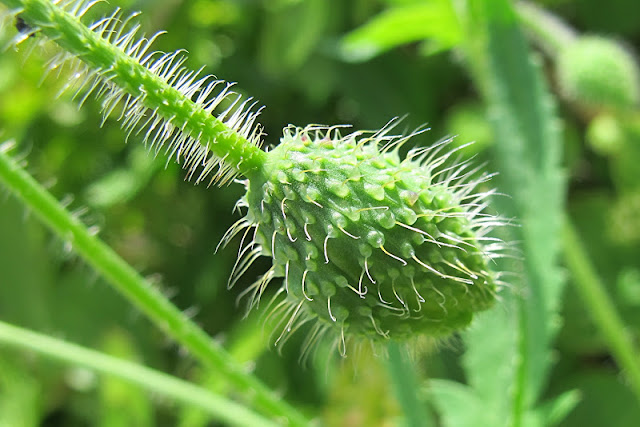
{"x":598,"y":73}
{"x":367,"y":243}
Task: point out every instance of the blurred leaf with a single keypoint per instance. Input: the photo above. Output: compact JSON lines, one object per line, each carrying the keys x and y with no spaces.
{"x":26,"y":270}
{"x":528,"y":149}
{"x":291,"y":33}
{"x":120,"y":185}
{"x":468,"y":123}
{"x":554,"y":411}
{"x":628,"y":287}
{"x":20,"y":394}
{"x":122,"y":404}
{"x":606,"y":401}
{"x":508,"y":356}
{"x":434,"y":20}
{"x":361,"y":393}
{"x":460,"y":405}
{"x":246,"y":343}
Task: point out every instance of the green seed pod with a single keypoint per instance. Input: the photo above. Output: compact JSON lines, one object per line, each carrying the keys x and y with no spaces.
{"x":596,"y":73}
{"x":368,"y":244}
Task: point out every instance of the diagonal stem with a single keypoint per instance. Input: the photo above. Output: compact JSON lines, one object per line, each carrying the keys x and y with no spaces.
{"x":109,"y":62}
{"x":139,"y":292}
{"x":156,"y":382}
{"x":600,"y":307}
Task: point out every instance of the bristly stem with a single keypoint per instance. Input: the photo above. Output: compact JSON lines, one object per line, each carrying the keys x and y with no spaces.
{"x":600,"y":307}
{"x":118,"y":59}
{"x":139,"y":292}
{"x":220,"y":408}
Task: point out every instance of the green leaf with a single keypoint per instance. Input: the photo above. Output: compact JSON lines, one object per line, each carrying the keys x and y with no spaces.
{"x":404,"y":379}
{"x":122,"y":404}
{"x":508,"y":357}
{"x":551,"y":413}
{"x":434,"y":20}
{"x":491,"y":359}
{"x":451,"y":397}
{"x":291,"y":33}
{"x":21,"y":393}
{"x":606,"y":401}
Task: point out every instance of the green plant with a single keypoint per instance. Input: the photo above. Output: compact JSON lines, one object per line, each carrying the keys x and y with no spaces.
{"x":374,"y":239}
{"x":314,"y":187}
{"x":415,"y":228}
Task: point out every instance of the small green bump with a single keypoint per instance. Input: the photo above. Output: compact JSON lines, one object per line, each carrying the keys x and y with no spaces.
{"x":418,"y":238}
{"x":365,"y":250}
{"x":327,"y":288}
{"x":299,"y":174}
{"x":307,"y":217}
{"x":278,"y":222}
{"x":262,"y":240}
{"x":312,"y":287}
{"x":606,"y":134}
{"x":409,"y":197}
{"x":312,"y":193}
{"x":409,"y":271}
{"x":337,"y":188}
{"x":341,"y":281}
{"x":311,"y":265}
{"x":375,"y":191}
{"x":266,"y":192}
{"x":290,"y":193}
{"x":282,"y":177}
{"x":454,"y":225}
{"x":385,"y":218}
{"x":442,"y":199}
{"x":379,"y":164}
{"x":375,"y":238}
{"x":364,"y":311}
{"x":265,"y":217}
{"x":353,"y":213}
{"x":407,"y":250}
{"x":340,"y":313}
{"x":291,"y":254}
{"x":338,"y":219}
{"x":292,"y":228}
{"x":310,"y":250}
{"x":407,"y":215}
{"x":353,"y":174}
{"x":331,"y":232}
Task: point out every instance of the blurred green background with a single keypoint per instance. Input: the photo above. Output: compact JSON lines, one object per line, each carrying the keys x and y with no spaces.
{"x":293,"y":56}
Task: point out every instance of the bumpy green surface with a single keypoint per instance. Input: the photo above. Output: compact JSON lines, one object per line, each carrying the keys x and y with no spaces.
{"x":597,"y":72}
{"x":367,"y":242}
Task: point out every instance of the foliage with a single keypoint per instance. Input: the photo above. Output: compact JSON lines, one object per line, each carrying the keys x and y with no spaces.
{"x":544,"y":355}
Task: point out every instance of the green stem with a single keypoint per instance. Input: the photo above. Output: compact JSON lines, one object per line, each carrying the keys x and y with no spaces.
{"x":126,"y":72}
{"x":405,"y":385}
{"x":139,"y":292}
{"x":552,"y":34}
{"x":156,"y":382}
{"x":601,"y":307}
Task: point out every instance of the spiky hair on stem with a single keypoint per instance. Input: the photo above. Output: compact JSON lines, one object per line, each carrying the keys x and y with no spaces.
{"x":369,"y":245}
{"x":196,"y":118}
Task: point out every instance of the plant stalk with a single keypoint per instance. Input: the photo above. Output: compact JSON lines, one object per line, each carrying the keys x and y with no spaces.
{"x":403,"y":377}
{"x":142,"y":84}
{"x":600,"y":307}
{"x":137,"y":290}
{"x":220,"y":408}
